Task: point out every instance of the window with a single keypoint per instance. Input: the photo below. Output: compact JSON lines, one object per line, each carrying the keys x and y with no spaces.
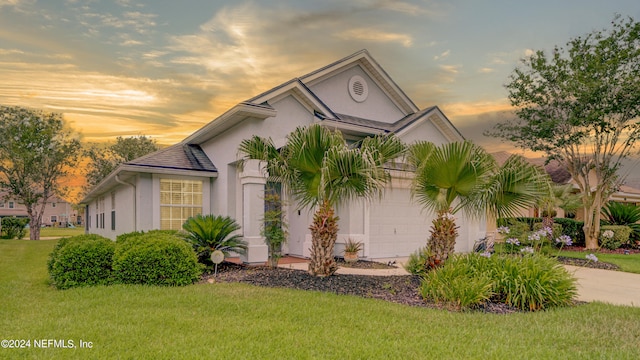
{"x":54,"y":219}
{"x":1,"y":204}
{"x":11,"y":205}
{"x":113,"y":219}
{"x":179,"y":200}
{"x":53,"y":204}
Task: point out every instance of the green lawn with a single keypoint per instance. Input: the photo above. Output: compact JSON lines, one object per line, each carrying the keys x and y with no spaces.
{"x":242,"y":321}
{"x":628,"y":263}
{"x":58,"y":232}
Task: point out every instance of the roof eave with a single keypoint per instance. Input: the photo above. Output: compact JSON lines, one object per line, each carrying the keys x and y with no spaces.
{"x":128,"y":169}
{"x":351,"y":129}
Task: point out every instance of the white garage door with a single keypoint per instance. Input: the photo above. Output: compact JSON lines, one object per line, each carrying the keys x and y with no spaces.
{"x":397,"y":227}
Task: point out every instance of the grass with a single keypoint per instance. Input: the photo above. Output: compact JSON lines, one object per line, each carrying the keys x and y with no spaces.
{"x":627,"y":263}
{"x":242,"y":321}
{"x":58,"y":232}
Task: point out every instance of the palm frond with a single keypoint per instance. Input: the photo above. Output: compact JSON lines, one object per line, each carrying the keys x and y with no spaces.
{"x":448,"y":173}
{"x":515,"y":186}
{"x":259,"y":148}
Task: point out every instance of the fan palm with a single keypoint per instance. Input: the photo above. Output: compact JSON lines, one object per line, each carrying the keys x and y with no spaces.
{"x":559,"y":196}
{"x":207,"y":233}
{"x":319,"y":170}
{"x":461,"y":176}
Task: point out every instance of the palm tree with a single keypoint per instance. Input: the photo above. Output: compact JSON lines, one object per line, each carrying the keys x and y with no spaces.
{"x":319,"y":170}
{"x":559,"y":196}
{"x":463,"y":176}
{"x":207,"y":233}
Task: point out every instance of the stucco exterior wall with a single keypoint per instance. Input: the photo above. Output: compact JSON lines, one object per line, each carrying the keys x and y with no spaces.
{"x":334,"y":92}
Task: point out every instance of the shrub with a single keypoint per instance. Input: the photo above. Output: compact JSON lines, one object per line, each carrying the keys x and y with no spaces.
{"x":517,"y":230}
{"x":529,"y":221}
{"x":418,"y":261}
{"x":81,"y":261}
{"x":620,"y":236}
{"x":623,"y":214}
{"x":556,"y":231}
{"x":155,"y":258}
{"x":573,"y":229}
{"x":13,"y":227}
{"x":122,"y":238}
{"x":532,"y":282}
{"x":459,"y":283}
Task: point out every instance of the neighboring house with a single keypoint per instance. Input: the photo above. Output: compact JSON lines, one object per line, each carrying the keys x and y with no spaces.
{"x":57,"y":212}
{"x":200,"y":175}
{"x":561,"y":176}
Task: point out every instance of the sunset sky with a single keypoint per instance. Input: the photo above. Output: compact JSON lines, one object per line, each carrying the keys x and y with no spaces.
{"x":165,"y":68}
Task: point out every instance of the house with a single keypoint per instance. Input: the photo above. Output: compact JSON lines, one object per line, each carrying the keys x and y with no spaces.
{"x":200,"y":174}
{"x":560,"y":175}
{"x":57,"y":212}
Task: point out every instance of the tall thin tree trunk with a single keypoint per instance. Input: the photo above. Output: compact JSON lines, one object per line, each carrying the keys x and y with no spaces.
{"x":324,"y":233}
{"x":592,"y":229}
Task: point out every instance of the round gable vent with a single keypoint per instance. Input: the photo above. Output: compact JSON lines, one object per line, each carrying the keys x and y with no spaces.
{"x":358,"y":88}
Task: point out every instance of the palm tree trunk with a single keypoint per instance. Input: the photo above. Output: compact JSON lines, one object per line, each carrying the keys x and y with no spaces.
{"x":324,"y":233}
{"x":444,"y":233}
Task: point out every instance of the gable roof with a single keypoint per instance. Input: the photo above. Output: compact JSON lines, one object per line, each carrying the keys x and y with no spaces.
{"x":188,"y":158}
{"x":361,"y":58}
{"x":300,"y":87}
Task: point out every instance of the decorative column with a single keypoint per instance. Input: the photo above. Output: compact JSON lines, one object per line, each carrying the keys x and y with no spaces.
{"x":253,"y":180}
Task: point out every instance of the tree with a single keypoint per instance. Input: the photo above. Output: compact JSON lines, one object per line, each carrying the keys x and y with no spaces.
{"x":103,"y":161}
{"x":36,"y":150}
{"x":559,"y":196}
{"x":319,"y":170}
{"x":462,"y":176}
{"x":580,"y":106}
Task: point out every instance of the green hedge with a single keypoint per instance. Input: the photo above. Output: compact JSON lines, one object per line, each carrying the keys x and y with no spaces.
{"x":155,"y":258}
{"x":570,"y":227}
{"x":81,"y":261}
{"x":573,"y":229}
{"x":527,"y":220}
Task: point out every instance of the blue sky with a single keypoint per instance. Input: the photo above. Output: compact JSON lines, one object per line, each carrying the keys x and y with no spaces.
{"x":166,"y":68}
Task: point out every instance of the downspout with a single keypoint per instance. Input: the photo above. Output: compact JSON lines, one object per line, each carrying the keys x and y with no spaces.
{"x":135,"y":207}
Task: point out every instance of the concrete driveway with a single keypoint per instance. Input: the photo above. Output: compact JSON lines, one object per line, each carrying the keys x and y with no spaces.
{"x":613,"y":287}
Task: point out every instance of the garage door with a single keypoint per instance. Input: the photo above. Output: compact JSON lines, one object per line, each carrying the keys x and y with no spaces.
{"x":397,"y":227}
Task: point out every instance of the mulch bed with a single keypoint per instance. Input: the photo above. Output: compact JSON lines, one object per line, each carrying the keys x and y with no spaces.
{"x":401,"y":289}
{"x":398,"y":289}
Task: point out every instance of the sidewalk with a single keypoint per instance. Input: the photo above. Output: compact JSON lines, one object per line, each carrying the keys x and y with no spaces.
{"x":613,"y":287}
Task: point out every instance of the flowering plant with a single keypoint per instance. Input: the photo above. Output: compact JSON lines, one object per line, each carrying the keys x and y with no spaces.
{"x":540,"y":237}
{"x":511,"y":245}
{"x":607,"y":234}
{"x":592,"y":257}
{"x":503,"y":230}
{"x":527,"y":250}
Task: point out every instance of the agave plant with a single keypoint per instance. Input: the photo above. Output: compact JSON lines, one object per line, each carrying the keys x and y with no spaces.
{"x":207,"y":233}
